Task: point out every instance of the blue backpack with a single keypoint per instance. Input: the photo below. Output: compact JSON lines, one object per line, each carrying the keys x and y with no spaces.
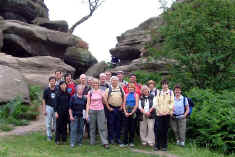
{"x":191,"y":104}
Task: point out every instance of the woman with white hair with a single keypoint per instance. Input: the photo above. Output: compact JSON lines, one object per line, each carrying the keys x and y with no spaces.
{"x":146,"y":117}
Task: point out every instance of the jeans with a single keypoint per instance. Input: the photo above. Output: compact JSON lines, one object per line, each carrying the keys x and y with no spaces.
{"x":76,"y":132}
{"x":114,"y":124}
{"x":50,"y":120}
{"x":98,"y":117}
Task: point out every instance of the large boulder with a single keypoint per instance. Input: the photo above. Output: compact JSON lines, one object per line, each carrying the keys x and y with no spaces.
{"x":134,"y":41}
{"x":12,"y":84}
{"x":1,"y":39}
{"x":79,"y":58}
{"x":59,"y":25}
{"x":26,"y":40}
{"x":23,"y":10}
{"x":36,"y":70}
{"x":96,"y":69}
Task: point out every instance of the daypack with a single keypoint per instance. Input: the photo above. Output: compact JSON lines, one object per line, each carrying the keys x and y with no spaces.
{"x":191,"y":105}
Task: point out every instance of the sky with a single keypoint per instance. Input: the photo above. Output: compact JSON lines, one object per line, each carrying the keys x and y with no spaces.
{"x":110,"y":20}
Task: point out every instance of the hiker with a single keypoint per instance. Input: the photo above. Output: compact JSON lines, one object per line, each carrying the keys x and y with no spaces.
{"x":115,"y":98}
{"x":70,"y":84}
{"x":83,"y":82}
{"x":61,"y":113}
{"x":95,"y":113}
{"x":48,"y":104}
{"x":132,"y":78}
{"x":89,"y":81}
{"x":103,"y":84}
{"x":108,"y":77}
{"x":130,"y":105}
{"x":178,"y":120}
{"x":146,"y":117}
{"x":76,"y":106}
{"x":122,"y":82}
{"x":152,"y":86}
{"x":58,"y":76}
{"x":163,"y":103}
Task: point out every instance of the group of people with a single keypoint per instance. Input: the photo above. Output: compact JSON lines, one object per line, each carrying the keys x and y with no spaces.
{"x":115,"y":108}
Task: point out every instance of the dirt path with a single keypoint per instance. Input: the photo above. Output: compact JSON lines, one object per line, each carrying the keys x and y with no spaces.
{"x":159,"y":153}
{"x":37,"y":125}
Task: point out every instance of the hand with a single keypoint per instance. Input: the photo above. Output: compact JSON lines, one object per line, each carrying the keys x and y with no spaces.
{"x":110,"y":109}
{"x":120,"y":109}
{"x":126,"y":114}
{"x":56,"y":115}
{"x":44,"y":113}
{"x":71,"y":118}
{"x":147,"y":114}
{"x":171,"y":114}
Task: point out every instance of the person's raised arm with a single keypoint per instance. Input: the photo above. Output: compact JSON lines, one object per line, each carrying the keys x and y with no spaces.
{"x":88,"y":104}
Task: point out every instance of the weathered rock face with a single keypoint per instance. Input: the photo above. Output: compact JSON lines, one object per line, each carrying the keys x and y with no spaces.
{"x":59,"y":25}
{"x":79,"y":58}
{"x":160,"y":66}
{"x":23,"y":10}
{"x":1,"y":39}
{"x":96,"y":69}
{"x":36,"y":70}
{"x":136,"y":39}
{"x":12,"y":84}
{"x":26,"y":40}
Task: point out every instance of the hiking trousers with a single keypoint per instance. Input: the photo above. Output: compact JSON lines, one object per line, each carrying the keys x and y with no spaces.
{"x":61,"y":127}
{"x":179,"y":128}
{"x":147,"y":130}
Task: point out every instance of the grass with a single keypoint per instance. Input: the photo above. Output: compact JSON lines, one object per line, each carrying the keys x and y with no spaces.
{"x":35,"y":145}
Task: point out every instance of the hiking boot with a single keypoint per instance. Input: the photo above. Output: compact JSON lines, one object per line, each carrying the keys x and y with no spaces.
{"x":156,"y":149}
{"x":49,"y":138}
{"x":57,"y":142}
{"x":111,"y":142}
{"x":72,"y":145}
{"x":177,"y":142}
{"x":144,"y":143}
{"x":131,"y":145}
{"x":181,"y":144}
{"x":106,"y":146}
{"x":164,"y":149}
{"x":123,"y":145}
{"x":118,"y":141}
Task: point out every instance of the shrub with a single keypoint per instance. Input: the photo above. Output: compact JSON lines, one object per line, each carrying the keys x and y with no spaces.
{"x":200,"y":35}
{"x":212,"y":123}
{"x":143,"y":77}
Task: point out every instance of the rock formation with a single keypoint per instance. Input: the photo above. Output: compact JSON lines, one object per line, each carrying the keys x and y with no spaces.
{"x":35,"y":47}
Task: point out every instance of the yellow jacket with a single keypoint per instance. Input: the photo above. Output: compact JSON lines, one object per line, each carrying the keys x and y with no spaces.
{"x":164,"y":103}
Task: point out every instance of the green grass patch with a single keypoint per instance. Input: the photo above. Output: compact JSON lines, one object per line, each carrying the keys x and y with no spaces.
{"x":35,"y":145}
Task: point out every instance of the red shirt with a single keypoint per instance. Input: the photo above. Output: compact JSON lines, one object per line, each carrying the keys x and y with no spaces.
{"x":71,"y":88}
{"x":137,"y":89}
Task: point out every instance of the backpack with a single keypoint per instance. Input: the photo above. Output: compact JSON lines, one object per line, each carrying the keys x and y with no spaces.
{"x":190,"y":103}
{"x":110,"y":91}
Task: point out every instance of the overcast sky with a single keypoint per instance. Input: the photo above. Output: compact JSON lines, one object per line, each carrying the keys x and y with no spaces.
{"x":113,"y":18}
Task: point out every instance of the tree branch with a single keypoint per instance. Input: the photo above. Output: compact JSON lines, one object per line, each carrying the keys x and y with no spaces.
{"x":93,"y":5}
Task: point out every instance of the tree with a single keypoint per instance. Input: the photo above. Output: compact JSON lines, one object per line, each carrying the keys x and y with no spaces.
{"x":93,"y":6}
{"x":200,"y":35}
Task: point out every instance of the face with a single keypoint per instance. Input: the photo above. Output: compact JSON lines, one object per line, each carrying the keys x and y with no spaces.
{"x":120,"y":76}
{"x":133,"y":79}
{"x":146,"y":92}
{"x":63,"y":87}
{"x":151,"y":86}
{"x":102,"y":79}
{"x":58,"y":75}
{"x":131,"y":89}
{"x":68,"y":78}
{"x":52,"y":82}
{"x":177,"y":91}
{"x":95,"y":85}
{"x":165,"y":86}
{"x":114,"y":82}
{"x":83,"y":79}
{"x":108,"y":75}
{"x":89,"y":82}
{"x":79,"y":91}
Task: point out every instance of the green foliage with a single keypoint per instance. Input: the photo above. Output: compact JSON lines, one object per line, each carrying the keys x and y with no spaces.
{"x":17,"y":113}
{"x":200,"y":35}
{"x":212,"y":122}
{"x":143,"y":77}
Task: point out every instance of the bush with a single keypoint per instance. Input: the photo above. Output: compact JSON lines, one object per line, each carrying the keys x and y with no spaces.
{"x":200,"y":35}
{"x":143,"y":77}
{"x":212,"y":122}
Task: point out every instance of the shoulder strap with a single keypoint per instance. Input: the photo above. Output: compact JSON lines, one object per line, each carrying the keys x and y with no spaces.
{"x":184,"y":101}
{"x":155,"y":92}
{"x":110,"y":91}
{"x":122,"y":92}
